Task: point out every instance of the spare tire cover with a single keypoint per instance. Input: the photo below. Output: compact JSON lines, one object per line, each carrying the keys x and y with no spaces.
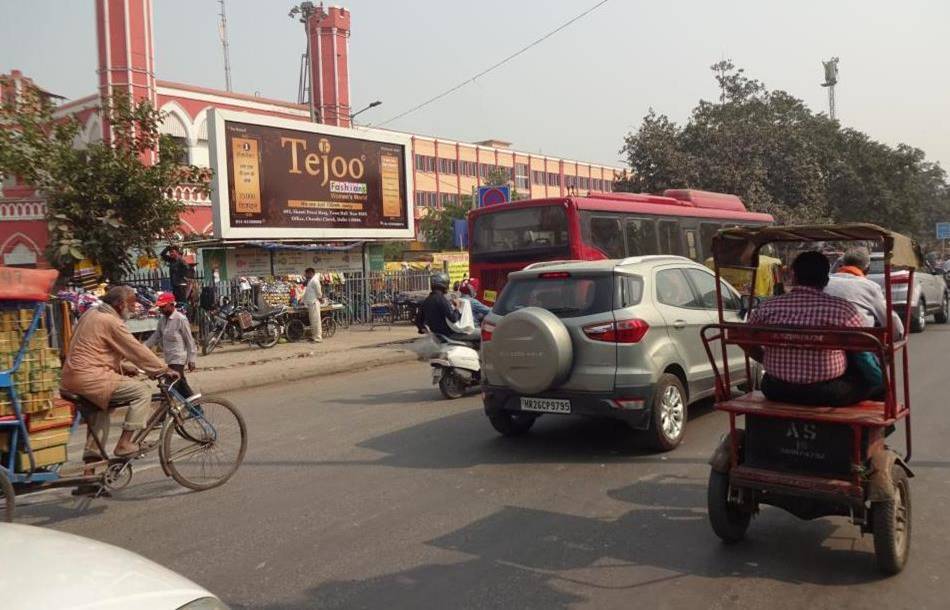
{"x":531,"y":350}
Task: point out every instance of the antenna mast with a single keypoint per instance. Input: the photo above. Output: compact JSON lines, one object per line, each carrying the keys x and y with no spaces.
{"x":831,"y":79}
{"x":223,"y":33}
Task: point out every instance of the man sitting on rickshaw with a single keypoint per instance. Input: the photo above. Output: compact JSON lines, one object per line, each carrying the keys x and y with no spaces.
{"x":810,"y":376}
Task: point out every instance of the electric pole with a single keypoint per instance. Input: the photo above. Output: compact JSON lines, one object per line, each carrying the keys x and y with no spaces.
{"x":223,"y":33}
{"x":302,"y":13}
{"x":831,"y":79}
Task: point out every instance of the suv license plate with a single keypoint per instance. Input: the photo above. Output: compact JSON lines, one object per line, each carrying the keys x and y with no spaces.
{"x":546,"y":405}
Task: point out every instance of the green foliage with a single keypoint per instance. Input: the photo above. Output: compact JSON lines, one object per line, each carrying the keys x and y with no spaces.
{"x":780,"y":157}
{"x":437,"y":224}
{"x":103,"y":202}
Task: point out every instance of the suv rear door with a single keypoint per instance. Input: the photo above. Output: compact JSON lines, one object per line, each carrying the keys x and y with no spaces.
{"x":580,"y":299}
{"x":685,"y":316}
{"x":704,"y":282}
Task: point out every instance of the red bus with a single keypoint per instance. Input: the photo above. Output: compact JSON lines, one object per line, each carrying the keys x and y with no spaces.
{"x":507,"y":237}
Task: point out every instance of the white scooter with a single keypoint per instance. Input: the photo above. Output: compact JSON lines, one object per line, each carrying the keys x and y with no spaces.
{"x":455,"y":363}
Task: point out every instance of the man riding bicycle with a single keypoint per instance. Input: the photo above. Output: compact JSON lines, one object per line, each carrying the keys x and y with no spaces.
{"x":103,"y":357}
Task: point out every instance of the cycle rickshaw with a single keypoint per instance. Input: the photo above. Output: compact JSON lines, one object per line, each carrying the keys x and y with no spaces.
{"x":814,"y":461}
{"x":200,"y":442}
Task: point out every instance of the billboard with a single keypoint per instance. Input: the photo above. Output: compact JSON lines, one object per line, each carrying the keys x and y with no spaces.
{"x":281,"y":179}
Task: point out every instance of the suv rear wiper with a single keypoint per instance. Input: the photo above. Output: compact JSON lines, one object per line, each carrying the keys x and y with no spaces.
{"x":564,"y":310}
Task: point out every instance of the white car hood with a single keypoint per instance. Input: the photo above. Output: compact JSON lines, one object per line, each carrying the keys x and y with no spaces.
{"x":44,"y":568}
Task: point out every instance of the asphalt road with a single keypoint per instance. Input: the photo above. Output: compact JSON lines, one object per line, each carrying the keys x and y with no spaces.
{"x":370,"y":491}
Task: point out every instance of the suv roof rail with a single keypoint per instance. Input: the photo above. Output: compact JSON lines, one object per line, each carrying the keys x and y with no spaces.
{"x":648,"y":257}
{"x":545,"y":264}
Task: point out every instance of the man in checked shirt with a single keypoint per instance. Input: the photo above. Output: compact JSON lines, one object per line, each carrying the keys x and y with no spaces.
{"x":809,"y":376}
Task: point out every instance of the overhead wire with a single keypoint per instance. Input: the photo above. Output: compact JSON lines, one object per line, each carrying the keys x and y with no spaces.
{"x":496,"y":65}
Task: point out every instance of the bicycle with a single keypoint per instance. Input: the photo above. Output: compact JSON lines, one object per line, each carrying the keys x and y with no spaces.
{"x":200,"y":442}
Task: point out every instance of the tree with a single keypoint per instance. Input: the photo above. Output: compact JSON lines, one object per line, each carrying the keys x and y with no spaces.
{"x":769,"y":148}
{"x":438,"y":224}
{"x":104,"y":202}
{"x":501,"y":176}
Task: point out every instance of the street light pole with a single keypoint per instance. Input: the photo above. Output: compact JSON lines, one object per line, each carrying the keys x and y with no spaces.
{"x":371,"y":105}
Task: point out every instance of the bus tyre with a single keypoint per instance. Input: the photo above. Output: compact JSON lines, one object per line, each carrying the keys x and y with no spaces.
{"x":729,"y":521}
{"x":890,"y":522}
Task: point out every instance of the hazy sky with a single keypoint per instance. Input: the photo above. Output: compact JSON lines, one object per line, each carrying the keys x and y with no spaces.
{"x":575,"y":95}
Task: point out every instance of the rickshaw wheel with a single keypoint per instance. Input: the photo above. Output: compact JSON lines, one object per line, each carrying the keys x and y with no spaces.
{"x":891,"y":524}
{"x":728,"y":521}
{"x":7,"y":498}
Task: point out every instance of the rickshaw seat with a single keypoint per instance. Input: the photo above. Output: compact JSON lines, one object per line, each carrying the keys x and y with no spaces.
{"x":865,"y":413}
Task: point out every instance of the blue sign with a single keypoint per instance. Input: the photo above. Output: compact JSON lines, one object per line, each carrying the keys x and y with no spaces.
{"x":493,"y":195}
{"x":943,"y":230}
{"x":460,"y":233}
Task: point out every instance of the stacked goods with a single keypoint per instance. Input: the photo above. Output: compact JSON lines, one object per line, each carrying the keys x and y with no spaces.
{"x":35,"y":382}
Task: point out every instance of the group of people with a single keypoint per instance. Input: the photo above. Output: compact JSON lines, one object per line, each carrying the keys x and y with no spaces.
{"x":820,"y":299}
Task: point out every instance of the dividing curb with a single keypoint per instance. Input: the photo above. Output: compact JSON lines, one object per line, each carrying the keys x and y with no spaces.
{"x":219,"y":385}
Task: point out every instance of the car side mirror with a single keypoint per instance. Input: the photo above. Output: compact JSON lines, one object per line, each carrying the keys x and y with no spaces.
{"x":748,"y":302}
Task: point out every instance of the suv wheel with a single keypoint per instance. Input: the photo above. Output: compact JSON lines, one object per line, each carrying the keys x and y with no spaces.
{"x":668,"y":421}
{"x":943,"y":314}
{"x":511,"y":423}
{"x":918,"y":321}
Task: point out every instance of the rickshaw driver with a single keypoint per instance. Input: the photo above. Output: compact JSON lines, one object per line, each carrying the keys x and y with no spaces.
{"x":809,"y":376}
{"x":95,"y":369}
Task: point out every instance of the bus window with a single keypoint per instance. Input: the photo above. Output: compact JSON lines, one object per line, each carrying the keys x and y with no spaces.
{"x":670,"y":242}
{"x":520,"y":231}
{"x":691,"y":251}
{"x":707,"y":231}
{"x":641,"y":237}
{"x":605,"y":234}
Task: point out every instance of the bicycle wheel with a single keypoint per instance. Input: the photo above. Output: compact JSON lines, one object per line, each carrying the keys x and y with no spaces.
{"x":7,"y":497}
{"x":206,"y":446}
{"x":329,"y":327}
{"x":295,"y":330}
{"x":213,"y":340}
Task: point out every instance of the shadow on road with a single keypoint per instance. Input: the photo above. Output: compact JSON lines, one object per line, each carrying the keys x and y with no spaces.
{"x":526,"y":558}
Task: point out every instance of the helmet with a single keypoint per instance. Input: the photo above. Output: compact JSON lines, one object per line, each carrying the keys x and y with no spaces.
{"x":470,"y":287}
{"x":440,"y":280}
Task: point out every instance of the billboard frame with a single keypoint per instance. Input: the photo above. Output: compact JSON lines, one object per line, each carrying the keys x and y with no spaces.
{"x":221,"y":208}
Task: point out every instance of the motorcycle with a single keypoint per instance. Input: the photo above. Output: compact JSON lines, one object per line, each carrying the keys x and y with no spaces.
{"x":242,"y":325}
{"x":456,"y":366}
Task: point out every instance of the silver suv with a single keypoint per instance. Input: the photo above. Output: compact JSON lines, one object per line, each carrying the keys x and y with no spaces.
{"x":616,"y":338}
{"x":930,"y":294}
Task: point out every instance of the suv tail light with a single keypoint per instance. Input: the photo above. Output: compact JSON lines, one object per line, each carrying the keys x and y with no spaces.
{"x":900,"y":278}
{"x":555,"y":275}
{"x":487,"y":329}
{"x":621,"y":331}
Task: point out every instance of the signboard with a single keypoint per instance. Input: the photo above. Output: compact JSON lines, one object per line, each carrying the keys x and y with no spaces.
{"x":943,"y":230}
{"x":493,"y":195}
{"x":279,"y":179}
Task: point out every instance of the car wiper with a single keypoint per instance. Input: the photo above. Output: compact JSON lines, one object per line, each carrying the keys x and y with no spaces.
{"x":563,"y":310}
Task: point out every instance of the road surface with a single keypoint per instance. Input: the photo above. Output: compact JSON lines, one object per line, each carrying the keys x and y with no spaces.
{"x":370,"y":491}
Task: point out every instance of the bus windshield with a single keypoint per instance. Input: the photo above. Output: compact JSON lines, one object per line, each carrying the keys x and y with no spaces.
{"x":521,"y":233}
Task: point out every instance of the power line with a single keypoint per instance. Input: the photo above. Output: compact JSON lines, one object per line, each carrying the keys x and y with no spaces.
{"x":496,"y":65}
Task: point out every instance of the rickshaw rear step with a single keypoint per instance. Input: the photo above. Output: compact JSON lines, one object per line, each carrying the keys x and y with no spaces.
{"x":868,"y":413}
{"x":797,"y":484}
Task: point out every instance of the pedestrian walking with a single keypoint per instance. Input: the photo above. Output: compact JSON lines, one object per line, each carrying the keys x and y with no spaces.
{"x":174,"y":336}
{"x":312,"y":296}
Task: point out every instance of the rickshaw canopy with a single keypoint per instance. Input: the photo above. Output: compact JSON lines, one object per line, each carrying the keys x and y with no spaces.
{"x":739,"y":246}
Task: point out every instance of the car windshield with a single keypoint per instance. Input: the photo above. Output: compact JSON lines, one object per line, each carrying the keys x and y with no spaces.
{"x":517,"y":232}
{"x":565,"y":297}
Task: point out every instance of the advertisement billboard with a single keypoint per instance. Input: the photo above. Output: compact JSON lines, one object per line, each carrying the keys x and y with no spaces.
{"x":281,"y":179}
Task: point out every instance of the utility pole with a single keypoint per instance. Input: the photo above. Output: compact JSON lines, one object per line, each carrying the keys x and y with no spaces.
{"x":831,"y":79}
{"x":223,"y":32}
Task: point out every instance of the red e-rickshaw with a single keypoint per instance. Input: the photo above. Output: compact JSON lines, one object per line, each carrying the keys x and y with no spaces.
{"x":814,"y":461}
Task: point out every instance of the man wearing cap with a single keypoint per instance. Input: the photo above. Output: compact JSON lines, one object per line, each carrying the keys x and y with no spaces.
{"x":174,"y":336}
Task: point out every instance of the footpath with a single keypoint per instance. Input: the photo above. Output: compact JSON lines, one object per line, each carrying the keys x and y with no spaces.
{"x":240,"y":366}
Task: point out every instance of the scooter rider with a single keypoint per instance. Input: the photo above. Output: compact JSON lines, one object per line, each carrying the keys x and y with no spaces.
{"x":469,"y":290}
{"x":437,"y":310}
